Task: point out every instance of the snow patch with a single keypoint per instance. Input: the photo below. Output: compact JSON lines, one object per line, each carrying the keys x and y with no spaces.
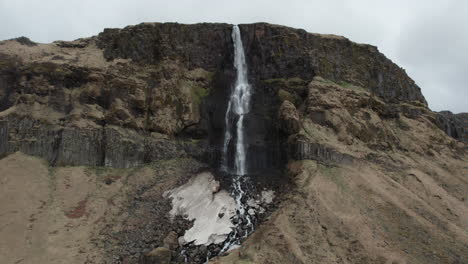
{"x":201,"y":200}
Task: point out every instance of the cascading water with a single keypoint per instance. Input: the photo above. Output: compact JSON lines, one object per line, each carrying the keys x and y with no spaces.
{"x":238,"y":108}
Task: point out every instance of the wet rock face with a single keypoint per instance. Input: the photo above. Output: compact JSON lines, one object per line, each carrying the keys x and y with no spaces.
{"x":454,"y":125}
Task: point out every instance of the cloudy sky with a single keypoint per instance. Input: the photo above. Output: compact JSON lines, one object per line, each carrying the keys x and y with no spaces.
{"x":429,"y":38}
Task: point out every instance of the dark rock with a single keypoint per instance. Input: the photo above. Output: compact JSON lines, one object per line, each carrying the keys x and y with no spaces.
{"x":153,"y":42}
{"x":171,"y":241}
{"x":454,"y":125}
{"x":77,"y":44}
{"x":300,"y":149}
{"x":25,"y":41}
{"x":106,"y":146}
{"x":276,"y":51}
{"x":158,"y":256}
{"x":289,"y":118}
{"x":272,"y":52}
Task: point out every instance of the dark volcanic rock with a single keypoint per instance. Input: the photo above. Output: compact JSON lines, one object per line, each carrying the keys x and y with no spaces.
{"x":300,"y":149}
{"x":106,"y":146}
{"x":454,"y":125}
{"x":272,"y":51}
{"x":199,"y":45}
{"x":281,"y":52}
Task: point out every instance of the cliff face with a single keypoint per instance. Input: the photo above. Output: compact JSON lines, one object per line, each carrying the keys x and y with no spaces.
{"x":129,"y":90}
{"x":455,"y":125}
{"x":364,"y":171}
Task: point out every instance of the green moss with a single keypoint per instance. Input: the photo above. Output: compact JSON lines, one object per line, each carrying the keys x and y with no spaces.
{"x":275,"y":81}
{"x":285,"y":95}
{"x":351,"y":86}
{"x":210,"y":76}
{"x":326,"y":81}
{"x":198,"y":93}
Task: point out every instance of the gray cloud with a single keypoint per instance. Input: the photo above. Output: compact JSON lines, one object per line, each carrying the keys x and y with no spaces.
{"x":427,"y":38}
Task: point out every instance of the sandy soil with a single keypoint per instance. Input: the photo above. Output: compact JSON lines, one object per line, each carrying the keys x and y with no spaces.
{"x":69,"y":214}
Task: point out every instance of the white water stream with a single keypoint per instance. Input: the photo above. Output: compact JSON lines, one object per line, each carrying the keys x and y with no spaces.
{"x":238,"y":108}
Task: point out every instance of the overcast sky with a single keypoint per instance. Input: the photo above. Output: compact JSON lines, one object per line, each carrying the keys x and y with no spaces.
{"x":429,"y":38}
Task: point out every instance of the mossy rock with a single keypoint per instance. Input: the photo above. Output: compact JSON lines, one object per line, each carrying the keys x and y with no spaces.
{"x":198,"y":93}
{"x":351,"y":86}
{"x":292,"y":97}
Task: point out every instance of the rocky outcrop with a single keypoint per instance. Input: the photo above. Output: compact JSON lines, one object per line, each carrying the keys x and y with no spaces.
{"x":106,"y":146}
{"x":454,"y":125}
{"x":25,"y":41}
{"x":205,"y":45}
{"x":289,"y":118}
{"x":272,"y":52}
{"x":303,"y":149}
{"x":281,"y":52}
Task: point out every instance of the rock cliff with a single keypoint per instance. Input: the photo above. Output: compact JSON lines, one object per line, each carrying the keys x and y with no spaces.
{"x":455,"y":125}
{"x":363,"y":171}
{"x":136,"y":91}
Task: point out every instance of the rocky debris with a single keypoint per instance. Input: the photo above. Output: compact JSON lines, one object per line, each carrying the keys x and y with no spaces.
{"x":454,"y":125}
{"x":171,"y":241}
{"x":143,"y":220}
{"x":289,"y":118}
{"x":159,"y":255}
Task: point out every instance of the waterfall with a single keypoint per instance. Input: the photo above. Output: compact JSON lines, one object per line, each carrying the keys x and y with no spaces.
{"x":238,"y":107}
